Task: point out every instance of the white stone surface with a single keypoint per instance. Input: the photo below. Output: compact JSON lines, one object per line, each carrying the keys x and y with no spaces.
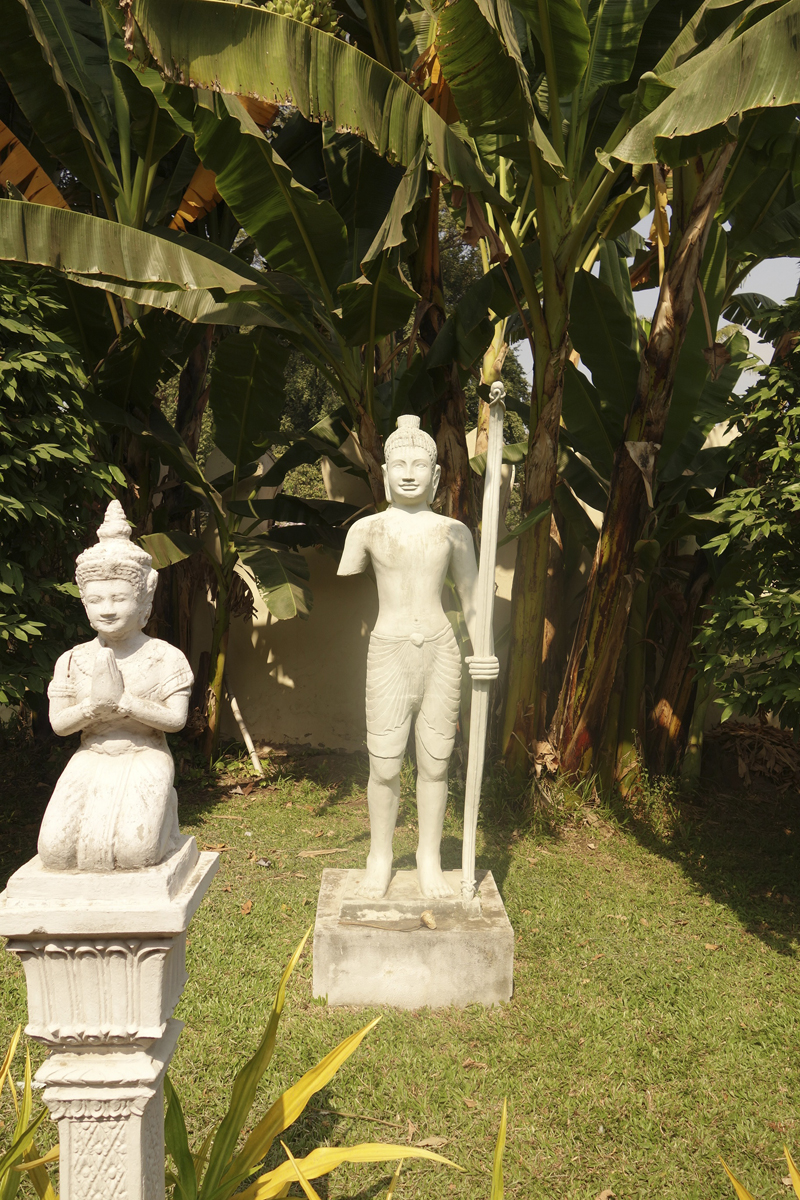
{"x":160,"y":899}
{"x":414,"y":663}
{"x":403,"y":898}
{"x":104,"y":973}
{"x":109,"y":1106}
{"x":104,"y":959}
{"x":99,"y":917}
{"x":464,"y":960}
{"x":114,"y":806}
{"x":101,"y":991}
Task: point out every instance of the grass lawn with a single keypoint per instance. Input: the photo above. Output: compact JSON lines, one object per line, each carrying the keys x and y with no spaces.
{"x":654,"y":1024}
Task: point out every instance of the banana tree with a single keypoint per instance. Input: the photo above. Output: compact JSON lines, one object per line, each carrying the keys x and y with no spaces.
{"x":231,"y":525}
{"x":537,"y":167}
{"x":750,"y":55}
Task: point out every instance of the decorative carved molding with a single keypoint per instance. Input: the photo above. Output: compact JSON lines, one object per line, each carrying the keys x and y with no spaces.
{"x":83,"y":1109}
{"x":101,"y":991}
{"x":99,"y":1160}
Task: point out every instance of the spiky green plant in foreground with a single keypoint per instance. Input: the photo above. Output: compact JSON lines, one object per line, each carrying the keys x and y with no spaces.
{"x":216,"y":1169}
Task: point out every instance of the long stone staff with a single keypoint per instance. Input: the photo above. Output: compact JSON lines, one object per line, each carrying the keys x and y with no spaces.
{"x":483,"y":642}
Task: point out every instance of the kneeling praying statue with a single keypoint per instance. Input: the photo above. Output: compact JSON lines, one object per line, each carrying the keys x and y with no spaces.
{"x":414,"y":664}
{"x":114,"y":806}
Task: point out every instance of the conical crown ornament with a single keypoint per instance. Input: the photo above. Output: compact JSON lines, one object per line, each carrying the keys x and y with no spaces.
{"x":115,"y":556}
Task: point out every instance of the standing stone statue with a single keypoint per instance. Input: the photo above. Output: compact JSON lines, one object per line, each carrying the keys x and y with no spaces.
{"x":114,"y":805}
{"x":414,"y":664}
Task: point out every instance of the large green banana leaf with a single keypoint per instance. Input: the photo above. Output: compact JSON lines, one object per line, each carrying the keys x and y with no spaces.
{"x":570,"y":36}
{"x":280,"y":577}
{"x":326,"y":437}
{"x":695,"y":32}
{"x":246,"y":393}
{"x":376,"y":304}
{"x":248,"y":51}
{"x":713,"y":406}
{"x":43,"y":95}
{"x":145,"y":355}
{"x":291,"y":508}
{"x":180,"y":273}
{"x":294,"y":230}
{"x":481,"y":75}
{"x":715,"y":88}
{"x":143,"y":90}
{"x":397,"y":228}
{"x":363,"y":187}
{"x":590,"y":430}
{"x":604,"y":335}
{"x":615,"y":27}
{"x":76,"y":40}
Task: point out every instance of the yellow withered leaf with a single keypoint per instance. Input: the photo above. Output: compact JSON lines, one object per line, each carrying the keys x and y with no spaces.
{"x":794,"y":1174}
{"x":199,"y":198}
{"x":310,"y":1192}
{"x":18,"y":166}
{"x":327,"y":1158}
{"x":741,"y":1190}
{"x":263,"y":112}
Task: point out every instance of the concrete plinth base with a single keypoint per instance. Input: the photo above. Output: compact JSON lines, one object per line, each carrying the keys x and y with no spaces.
{"x":464,"y":960}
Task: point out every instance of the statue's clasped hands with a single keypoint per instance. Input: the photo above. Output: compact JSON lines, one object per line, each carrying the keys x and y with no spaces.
{"x":107,"y":686}
{"x":483,"y":667}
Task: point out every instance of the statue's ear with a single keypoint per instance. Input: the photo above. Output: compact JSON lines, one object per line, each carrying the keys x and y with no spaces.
{"x":386,"y":486}
{"x":437,"y":475}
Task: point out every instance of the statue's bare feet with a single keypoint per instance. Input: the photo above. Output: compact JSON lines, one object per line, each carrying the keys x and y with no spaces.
{"x":431,"y":880}
{"x":377,"y":877}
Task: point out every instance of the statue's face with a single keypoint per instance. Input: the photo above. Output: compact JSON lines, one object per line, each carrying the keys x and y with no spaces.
{"x":113,"y":607}
{"x":411,"y":476}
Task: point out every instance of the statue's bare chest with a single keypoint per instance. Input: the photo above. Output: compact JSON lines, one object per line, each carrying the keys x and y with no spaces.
{"x":419,"y":548}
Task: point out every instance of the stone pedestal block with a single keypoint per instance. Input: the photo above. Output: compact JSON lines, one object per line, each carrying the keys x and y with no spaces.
{"x":104,"y":958}
{"x":374,"y":952}
{"x":109,"y":1106}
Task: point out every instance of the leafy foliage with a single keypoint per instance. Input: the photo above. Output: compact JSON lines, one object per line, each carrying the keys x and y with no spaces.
{"x":751,"y":644}
{"x":217,"y":1169}
{"x":22,"y":1155}
{"x":52,"y":479}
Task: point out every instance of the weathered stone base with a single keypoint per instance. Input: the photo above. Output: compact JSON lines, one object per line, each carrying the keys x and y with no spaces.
{"x":464,"y":960}
{"x":109,"y":1106}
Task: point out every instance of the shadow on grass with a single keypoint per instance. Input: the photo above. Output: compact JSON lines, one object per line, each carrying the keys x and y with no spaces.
{"x":738,"y":846}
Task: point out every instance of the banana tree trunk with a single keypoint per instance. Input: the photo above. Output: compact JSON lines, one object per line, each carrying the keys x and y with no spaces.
{"x":372,"y":449}
{"x":607,"y":758}
{"x":580,"y":719}
{"x":554,"y":643}
{"x":523,"y":718}
{"x":448,"y":415}
{"x":632,"y":723}
{"x":216,"y":671}
{"x":668,"y":722}
{"x":693,"y":756}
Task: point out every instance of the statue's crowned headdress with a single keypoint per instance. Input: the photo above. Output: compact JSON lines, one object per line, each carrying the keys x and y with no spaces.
{"x":408,"y":433}
{"x":116,"y":557}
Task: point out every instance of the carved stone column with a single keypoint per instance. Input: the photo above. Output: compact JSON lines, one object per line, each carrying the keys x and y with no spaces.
{"x":104,"y":958}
